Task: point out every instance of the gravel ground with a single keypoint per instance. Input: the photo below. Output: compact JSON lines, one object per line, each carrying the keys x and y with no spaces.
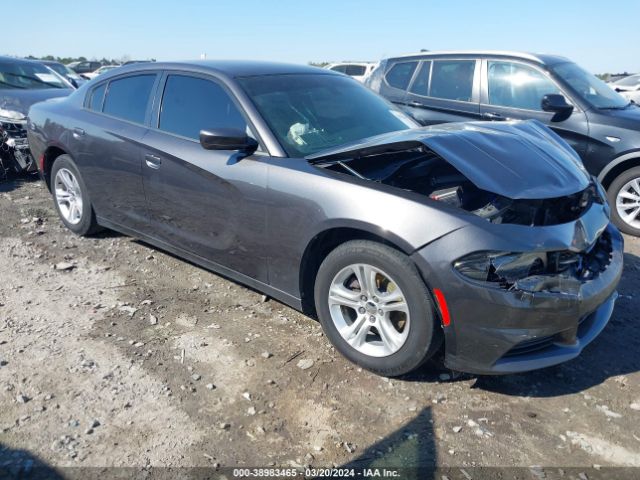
{"x":115,"y":354}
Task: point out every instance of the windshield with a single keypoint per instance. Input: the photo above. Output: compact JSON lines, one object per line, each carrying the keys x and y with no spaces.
{"x":27,"y":76}
{"x":630,"y":81}
{"x":310,"y":113}
{"x":593,"y":90}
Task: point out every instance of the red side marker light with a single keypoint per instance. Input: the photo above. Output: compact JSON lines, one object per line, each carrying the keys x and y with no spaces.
{"x":442,"y":305}
{"x":41,"y":162}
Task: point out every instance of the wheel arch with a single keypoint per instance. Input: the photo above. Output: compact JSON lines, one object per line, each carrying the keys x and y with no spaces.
{"x":48,"y":158}
{"x":617,"y":166}
{"x":326,"y":241}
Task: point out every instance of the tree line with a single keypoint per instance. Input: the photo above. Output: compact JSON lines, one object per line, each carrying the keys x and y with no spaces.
{"x":67,"y":60}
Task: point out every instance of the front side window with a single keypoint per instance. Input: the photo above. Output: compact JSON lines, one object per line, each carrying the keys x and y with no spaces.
{"x":452,"y":79}
{"x":313,"y":112}
{"x":191,"y":104}
{"x":517,"y":86}
{"x":421,"y":83}
{"x":400,"y":74}
{"x":339,"y":68}
{"x":127,"y":98}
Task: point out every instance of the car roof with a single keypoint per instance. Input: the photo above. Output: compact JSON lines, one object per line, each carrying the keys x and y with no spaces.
{"x":18,"y":60}
{"x":230,"y":68}
{"x":541,"y":58}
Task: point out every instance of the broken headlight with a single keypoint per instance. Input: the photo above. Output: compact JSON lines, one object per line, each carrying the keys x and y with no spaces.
{"x":500,"y":267}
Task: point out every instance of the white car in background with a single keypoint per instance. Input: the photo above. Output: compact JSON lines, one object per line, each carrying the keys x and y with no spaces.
{"x":358,"y":70}
{"x":628,"y":87}
{"x":100,"y":71}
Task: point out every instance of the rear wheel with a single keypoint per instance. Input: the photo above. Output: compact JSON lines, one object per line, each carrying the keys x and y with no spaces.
{"x":71,"y":198}
{"x":624,"y":198}
{"x":375,"y":308}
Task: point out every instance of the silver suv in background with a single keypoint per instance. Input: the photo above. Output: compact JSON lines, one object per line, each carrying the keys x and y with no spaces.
{"x":602,"y":126}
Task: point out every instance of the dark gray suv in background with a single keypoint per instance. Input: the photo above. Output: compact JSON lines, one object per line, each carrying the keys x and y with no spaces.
{"x":601,"y":125}
{"x":492,"y":237}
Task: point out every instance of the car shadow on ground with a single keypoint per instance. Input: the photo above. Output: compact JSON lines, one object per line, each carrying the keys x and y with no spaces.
{"x":14,"y":182}
{"x":19,"y":464}
{"x":412,"y":445}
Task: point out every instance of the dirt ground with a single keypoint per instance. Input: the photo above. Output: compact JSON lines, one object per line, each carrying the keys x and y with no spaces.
{"x":115,"y":354}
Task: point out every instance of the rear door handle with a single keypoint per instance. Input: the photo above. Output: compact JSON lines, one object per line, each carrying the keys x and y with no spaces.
{"x":78,"y":132}
{"x":494,"y":117}
{"x":153,"y":161}
{"x":413,"y":103}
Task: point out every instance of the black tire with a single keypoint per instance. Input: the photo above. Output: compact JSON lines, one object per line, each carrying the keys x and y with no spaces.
{"x":87,"y":224}
{"x":424,"y":336}
{"x":612,"y":193}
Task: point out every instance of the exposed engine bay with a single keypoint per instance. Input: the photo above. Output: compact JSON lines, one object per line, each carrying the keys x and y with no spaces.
{"x":423,"y":171}
{"x":15,"y":156}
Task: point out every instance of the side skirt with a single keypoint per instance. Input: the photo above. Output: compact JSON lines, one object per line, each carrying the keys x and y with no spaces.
{"x":279,"y":295}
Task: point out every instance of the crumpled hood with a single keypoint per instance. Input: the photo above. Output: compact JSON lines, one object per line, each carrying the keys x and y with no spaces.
{"x":516,"y":159}
{"x":20,"y":100}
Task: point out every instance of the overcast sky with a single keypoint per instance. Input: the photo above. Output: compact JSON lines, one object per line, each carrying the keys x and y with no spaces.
{"x":601,"y":36}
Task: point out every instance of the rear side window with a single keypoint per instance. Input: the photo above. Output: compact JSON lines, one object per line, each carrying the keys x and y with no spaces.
{"x":400,"y":74}
{"x":191,"y":104}
{"x":339,"y":68}
{"x":421,"y":83}
{"x":96,"y":97}
{"x":452,"y":79}
{"x":127,"y":98}
{"x":355,"y":70}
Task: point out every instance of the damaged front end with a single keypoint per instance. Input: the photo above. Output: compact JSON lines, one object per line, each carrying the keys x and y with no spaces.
{"x":15,"y":156}
{"x":532,"y":279}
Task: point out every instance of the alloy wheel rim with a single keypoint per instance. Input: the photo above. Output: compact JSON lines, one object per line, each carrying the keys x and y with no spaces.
{"x":68,"y":196}
{"x":369,"y":310}
{"x":628,"y":203}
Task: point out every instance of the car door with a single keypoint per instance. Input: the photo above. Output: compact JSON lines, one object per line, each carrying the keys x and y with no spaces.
{"x":445,"y":90}
{"x":514,"y":90}
{"x":205,"y":202}
{"x":107,"y":138}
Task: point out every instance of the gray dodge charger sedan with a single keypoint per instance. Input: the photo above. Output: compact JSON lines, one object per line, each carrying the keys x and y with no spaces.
{"x":307,"y":186}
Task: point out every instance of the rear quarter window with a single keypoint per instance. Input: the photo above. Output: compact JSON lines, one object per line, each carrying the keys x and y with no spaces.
{"x":127,"y":98}
{"x":400,"y":74}
{"x":96,"y":96}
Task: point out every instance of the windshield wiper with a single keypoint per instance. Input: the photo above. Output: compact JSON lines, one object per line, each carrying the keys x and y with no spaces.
{"x":28,"y":77}
{"x":616,"y":107}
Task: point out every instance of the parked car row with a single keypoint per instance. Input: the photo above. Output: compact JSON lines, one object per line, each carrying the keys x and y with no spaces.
{"x":628,"y":87}
{"x":488,"y":237}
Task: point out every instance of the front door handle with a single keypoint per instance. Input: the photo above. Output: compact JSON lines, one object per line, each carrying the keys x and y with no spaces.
{"x":152,"y":161}
{"x":494,"y":117}
{"x":78,"y":132}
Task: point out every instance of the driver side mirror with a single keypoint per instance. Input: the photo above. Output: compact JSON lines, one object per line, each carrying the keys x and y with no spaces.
{"x":227,"y":139}
{"x":556,"y":103}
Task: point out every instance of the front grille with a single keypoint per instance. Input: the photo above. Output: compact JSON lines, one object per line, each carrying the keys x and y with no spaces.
{"x":583,"y":265}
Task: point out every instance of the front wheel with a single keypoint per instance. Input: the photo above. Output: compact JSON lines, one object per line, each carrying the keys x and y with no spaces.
{"x":71,"y":197}
{"x":375,"y":308}
{"x":624,"y":198}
